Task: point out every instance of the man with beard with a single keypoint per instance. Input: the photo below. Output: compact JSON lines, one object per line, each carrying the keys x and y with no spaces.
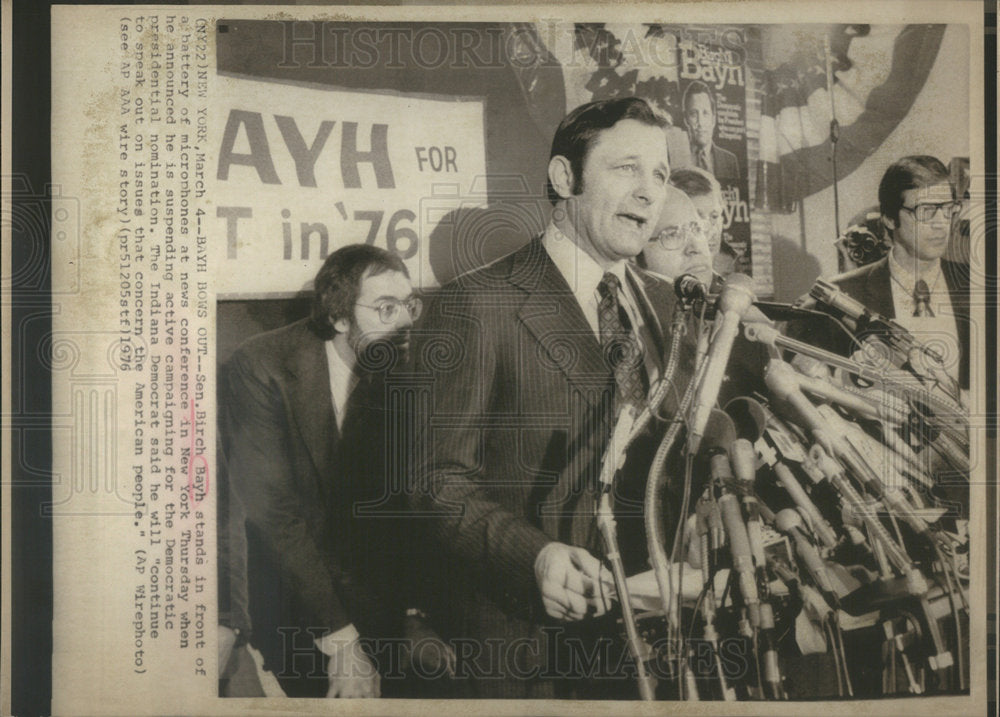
{"x":303,"y":436}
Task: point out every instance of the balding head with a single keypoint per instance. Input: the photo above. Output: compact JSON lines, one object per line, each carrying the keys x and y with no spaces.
{"x":679,"y":245}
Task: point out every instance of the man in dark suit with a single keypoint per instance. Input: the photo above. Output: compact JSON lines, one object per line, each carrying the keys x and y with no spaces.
{"x":916,"y":204}
{"x":913,"y":284}
{"x":528,"y":361}
{"x":302,"y":434}
{"x":699,"y":118}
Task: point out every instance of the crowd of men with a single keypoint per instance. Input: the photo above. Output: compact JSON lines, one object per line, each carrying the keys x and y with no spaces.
{"x":410,"y":498}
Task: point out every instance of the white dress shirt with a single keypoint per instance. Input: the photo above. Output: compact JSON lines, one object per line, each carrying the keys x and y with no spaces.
{"x":939,"y":331}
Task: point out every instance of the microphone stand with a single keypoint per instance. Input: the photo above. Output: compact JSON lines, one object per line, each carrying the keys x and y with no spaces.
{"x":834,"y":134}
{"x":614,"y":457}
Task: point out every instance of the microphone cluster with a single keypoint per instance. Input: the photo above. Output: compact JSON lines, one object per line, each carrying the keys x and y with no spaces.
{"x":819,"y":501}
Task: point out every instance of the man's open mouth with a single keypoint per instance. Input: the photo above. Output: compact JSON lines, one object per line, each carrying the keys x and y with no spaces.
{"x":635,"y":219}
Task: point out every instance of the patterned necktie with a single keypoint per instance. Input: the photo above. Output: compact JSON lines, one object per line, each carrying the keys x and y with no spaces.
{"x":922,"y":299}
{"x":621,"y":347}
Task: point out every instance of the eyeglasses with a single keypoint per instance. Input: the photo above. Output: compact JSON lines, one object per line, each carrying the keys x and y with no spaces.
{"x":388,"y":309}
{"x":926,"y":212}
{"x":677,"y":237}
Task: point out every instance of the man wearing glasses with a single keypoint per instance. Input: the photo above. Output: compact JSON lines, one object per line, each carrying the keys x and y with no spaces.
{"x":913,"y":284}
{"x":705,"y":191}
{"x":302,"y":423}
{"x":679,"y":244}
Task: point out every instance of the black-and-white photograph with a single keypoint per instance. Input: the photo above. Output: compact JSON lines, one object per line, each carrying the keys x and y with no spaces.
{"x":517,"y":360}
{"x":594,"y":361}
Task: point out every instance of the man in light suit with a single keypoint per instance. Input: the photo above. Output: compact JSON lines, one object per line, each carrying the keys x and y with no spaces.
{"x":302,"y":435}
{"x":525,"y":382}
{"x":699,"y":118}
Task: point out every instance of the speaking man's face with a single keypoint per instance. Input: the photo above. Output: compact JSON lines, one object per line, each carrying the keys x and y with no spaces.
{"x":624,"y":180}
{"x":699,"y":119}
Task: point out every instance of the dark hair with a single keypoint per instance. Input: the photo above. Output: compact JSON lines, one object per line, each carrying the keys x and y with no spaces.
{"x":913,"y":172}
{"x":697,"y":88}
{"x":694,"y":182}
{"x":578,"y":130}
{"x":338,"y":283}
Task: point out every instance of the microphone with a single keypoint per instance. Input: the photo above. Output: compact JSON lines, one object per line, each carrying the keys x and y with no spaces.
{"x":737,"y":296}
{"x":721,"y":435}
{"x":780,"y":378}
{"x":789,"y":522}
{"x":826,"y":293}
{"x":820,"y":526}
{"x":743,"y":457}
{"x":866,"y":321}
{"x":815,"y":379}
{"x":784,"y":384}
{"x":689,"y":288}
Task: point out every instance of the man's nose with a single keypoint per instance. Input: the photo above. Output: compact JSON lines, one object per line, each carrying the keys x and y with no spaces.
{"x":405,"y":318}
{"x":697,"y":244}
{"x":648,"y":188}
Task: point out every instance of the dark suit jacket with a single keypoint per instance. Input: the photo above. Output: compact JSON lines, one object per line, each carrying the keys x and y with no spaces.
{"x":298,"y":478}
{"x":727,"y":166}
{"x":513,"y":441}
{"x":872,"y":286}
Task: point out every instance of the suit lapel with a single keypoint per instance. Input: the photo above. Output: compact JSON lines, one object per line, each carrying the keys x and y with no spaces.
{"x":553,"y":316}
{"x":957,"y":278}
{"x":879,"y":290}
{"x":312,"y":402}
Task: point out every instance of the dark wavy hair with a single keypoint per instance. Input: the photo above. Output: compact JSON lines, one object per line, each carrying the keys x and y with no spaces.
{"x":697,"y":88}
{"x":913,"y":172}
{"x":338,"y":283}
{"x":578,"y":130}
{"x":694,"y":182}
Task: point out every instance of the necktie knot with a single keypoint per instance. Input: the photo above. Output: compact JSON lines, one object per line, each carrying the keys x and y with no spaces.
{"x":922,"y":299}
{"x":609,"y":286}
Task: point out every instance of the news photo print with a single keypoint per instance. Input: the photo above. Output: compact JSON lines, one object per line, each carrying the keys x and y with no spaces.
{"x":331,"y":412}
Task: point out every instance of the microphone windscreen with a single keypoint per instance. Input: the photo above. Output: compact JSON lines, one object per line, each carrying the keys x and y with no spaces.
{"x":689,"y":288}
{"x":748,"y":416}
{"x":719,"y":431}
{"x":787,"y":520}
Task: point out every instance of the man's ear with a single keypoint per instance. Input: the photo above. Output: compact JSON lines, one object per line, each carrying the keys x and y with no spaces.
{"x":342,"y":325}
{"x":561,"y":176}
{"x":889,"y":224}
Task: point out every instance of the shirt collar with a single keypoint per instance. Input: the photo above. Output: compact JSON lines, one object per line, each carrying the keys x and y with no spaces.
{"x":906,"y":278}
{"x":581,"y":272}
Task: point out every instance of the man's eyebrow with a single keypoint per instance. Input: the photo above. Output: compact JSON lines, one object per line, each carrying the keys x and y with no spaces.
{"x":390,"y":297}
